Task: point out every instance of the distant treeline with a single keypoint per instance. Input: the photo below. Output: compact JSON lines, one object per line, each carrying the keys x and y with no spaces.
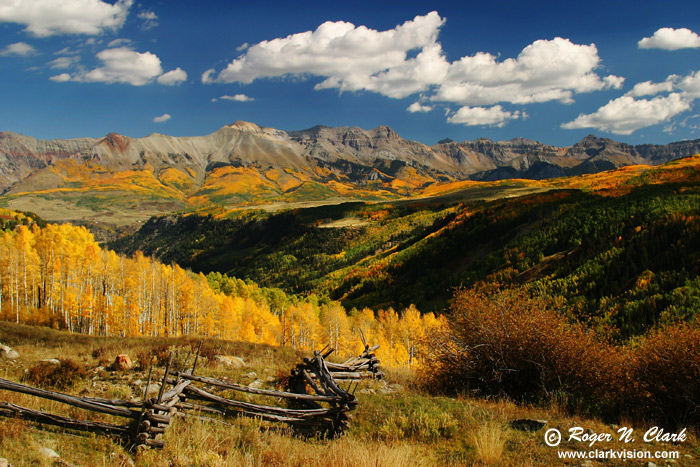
{"x":619,"y":259}
{"x":59,"y":276}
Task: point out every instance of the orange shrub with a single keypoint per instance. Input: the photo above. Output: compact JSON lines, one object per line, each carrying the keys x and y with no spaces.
{"x":509,"y":344}
{"x":62,"y":376}
{"x":667,"y":375}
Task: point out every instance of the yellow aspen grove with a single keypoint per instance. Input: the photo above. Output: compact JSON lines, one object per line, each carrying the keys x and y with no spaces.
{"x":303,"y":326}
{"x":411,"y":331}
{"x":336,"y":328}
{"x":59,"y":276}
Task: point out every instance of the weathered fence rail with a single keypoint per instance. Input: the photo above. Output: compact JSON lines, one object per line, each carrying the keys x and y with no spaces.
{"x":366,"y":365}
{"x":323,"y":412}
{"x":140,"y":416}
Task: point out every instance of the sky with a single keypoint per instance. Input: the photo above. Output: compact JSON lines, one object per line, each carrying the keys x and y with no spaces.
{"x":548,"y":71}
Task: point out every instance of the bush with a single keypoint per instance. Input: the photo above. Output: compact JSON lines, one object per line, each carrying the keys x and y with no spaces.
{"x":61,"y":376}
{"x":509,"y":344}
{"x":156,"y":356}
{"x":667,"y":375}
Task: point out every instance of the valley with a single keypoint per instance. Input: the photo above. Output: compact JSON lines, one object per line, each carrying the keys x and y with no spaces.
{"x":582,"y":280}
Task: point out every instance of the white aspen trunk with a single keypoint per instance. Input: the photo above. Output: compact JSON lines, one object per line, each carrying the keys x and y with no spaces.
{"x":172,"y":300}
{"x":26,"y":295}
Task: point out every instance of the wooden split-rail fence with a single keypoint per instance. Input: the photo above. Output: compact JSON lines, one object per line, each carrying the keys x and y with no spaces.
{"x":323,"y":412}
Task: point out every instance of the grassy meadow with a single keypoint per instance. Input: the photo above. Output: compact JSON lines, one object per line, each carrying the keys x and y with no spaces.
{"x":398,"y":422}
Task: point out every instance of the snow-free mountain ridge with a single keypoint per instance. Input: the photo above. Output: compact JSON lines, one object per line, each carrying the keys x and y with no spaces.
{"x":349,"y":151}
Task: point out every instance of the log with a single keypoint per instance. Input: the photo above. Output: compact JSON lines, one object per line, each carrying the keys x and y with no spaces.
{"x":154,"y":443}
{"x":350,"y":375}
{"x":267,"y":417}
{"x":114,"y":402}
{"x":315,"y":423}
{"x":194,"y":366}
{"x":330,"y":382}
{"x":123,"y":403}
{"x":148,"y":422}
{"x":311,"y":382}
{"x":165,"y":377}
{"x":8,"y":409}
{"x":100,"y":407}
{"x":256,"y":408}
{"x":301,"y":378}
{"x":263,"y":392}
{"x":201,"y":408}
{"x":315,"y":369}
{"x":156,"y":430}
{"x":171,"y":403}
{"x":344,"y":366}
{"x":158,"y":418}
{"x":175,"y":391}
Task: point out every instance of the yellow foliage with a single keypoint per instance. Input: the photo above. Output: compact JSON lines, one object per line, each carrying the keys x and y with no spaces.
{"x":176,"y":179}
{"x":59,"y":276}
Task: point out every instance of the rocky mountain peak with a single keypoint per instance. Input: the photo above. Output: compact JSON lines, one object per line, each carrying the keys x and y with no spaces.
{"x":384,"y":131}
{"x":242,"y":125}
{"x":346,"y":151}
{"x":115,"y":142}
{"x":521,"y":142}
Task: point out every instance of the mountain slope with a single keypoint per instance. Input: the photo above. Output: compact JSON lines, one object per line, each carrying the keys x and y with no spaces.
{"x":620,"y":247}
{"x":115,"y":178}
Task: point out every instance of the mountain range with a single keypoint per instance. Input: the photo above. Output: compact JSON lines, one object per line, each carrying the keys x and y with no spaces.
{"x":245,"y":164}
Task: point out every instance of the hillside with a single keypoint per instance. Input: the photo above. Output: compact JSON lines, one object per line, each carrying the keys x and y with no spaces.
{"x":607,"y":256}
{"x":120,"y":180}
{"x":619,"y":248}
{"x":396,"y":424}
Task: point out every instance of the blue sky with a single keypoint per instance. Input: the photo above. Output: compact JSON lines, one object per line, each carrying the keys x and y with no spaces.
{"x":550,"y":71}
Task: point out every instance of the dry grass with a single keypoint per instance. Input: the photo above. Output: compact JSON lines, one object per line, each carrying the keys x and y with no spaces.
{"x":489,"y":443}
{"x":248,"y":444}
{"x":394,"y":425}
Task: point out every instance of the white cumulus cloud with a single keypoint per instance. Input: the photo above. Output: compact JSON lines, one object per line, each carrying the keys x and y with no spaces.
{"x":546,"y":70}
{"x":237,"y":98}
{"x":408,"y":60}
{"x":350,"y":57}
{"x":173,"y":77}
{"x":671,"y":39}
{"x":125,"y":66}
{"x":648,"y":88}
{"x":690,"y":85}
{"x":21,"y":49}
{"x":62,"y":78}
{"x":44,"y":18}
{"x":626,"y":114}
{"x":162,"y":118}
{"x":486,"y":116}
{"x":418,"y":107}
